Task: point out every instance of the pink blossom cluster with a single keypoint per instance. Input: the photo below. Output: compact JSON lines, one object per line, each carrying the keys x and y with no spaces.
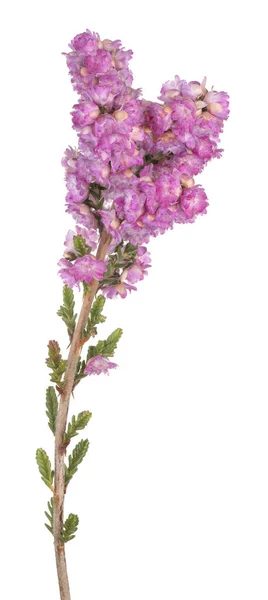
{"x":133,"y":171}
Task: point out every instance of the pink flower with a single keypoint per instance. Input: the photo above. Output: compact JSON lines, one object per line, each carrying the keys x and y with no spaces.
{"x":87,"y":268}
{"x":120,"y":289}
{"x":193,"y":89}
{"x":137,"y":271}
{"x":205,"y":148}
{"x":98,"y":365}
{"x":91,"y":168}
{"x":111,"y":223}
{"x":217,"y":104}
{"x":84,"y":114}
{"x":171,"y":89}
{"x":85,"y":42}
{"x":158,"y":117}
{"x":98,"y":63}
{"x":193,"y":201}
{"x":67,"y":272}
{"x":168,"y":187}
{"x":78,"y":190}
{"x":101,"y":95}
{"x":183,"y":111}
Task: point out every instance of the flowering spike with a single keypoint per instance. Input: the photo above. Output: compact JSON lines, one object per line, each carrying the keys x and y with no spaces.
{"x":132,"y":177}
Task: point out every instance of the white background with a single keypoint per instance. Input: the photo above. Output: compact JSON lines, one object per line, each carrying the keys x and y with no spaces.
{"x":173,"y":494}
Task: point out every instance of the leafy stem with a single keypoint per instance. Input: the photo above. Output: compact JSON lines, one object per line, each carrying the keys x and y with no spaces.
{"x":60,"y":432}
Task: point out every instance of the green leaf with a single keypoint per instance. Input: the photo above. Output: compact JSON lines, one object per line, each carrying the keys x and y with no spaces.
{"x":54,"y":355}
{"x":95,"y":317}
{"x":77,"y":423}
{"x":55,"y":362}
{"x":52,"y":407}
{"x":44,"y":466}
{"x":98,"y":349}
{"x":68,"y":298}
{"x":79,"y":374}
{"x":95,"y":350}
{"x":105,"y":347}
{"x":49,"y":515}
{"x":92,"y":351}
{"x":112,"y":341}
{"x":66,"y":311}
{"x":123,"y":257}
{"x":80,"y":245}
{"x":69,"y":528}
{"x":78,"y":453}
{"x":97,"y":309}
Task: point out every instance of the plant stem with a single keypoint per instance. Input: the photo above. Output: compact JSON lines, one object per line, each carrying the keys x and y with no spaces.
{"x":59,"y":488}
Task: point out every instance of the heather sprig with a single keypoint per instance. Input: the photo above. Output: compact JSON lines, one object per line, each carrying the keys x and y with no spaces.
{"x":131,"y":177}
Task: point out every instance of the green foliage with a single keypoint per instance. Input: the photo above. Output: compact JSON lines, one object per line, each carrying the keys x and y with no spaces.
{"x":56,"y":363}
{"x":52,"y":407}
{"x":76,"y":424}
{"x":123,"y":257}
{"x":49,"y":515}
{"x":105,"y":347}
{"x":95,"y":199}
{"x":78,"y":453}
{"x":79,"y":371}
{"x":110,"y":344}
{"x":69,"y":528}
{"x":97,"y":309}
{"x":80,"y":245}
{"x":44,"y":466}
{"x":95,"y":317}
{"x":66,"y":311}
{"x":92,"y":351}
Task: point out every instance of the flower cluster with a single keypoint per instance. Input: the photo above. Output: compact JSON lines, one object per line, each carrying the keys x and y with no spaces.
{"x":133,"y":171}
{"x":136,"y":158}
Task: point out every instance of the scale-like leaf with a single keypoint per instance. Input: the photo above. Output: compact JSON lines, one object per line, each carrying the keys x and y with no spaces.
{"x":77,"y":423}
{"x":105,"y":347}
{"x":49,"y":515}
{"x":55,"y":362}
{"x":97,"y":309}
{"x":66,"y":311}
{"x":69,"y":528}
{"x":111,"y":342}
{"x":78,"y":453}
{"x":52,"y":407}
{"x":80,"y":245}
{"x":44,"y":466}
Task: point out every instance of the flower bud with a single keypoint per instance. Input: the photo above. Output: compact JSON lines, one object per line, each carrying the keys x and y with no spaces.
{"x":115,"y":223}
{"x":120,"y":115}
{"x":84,"y":72}
{"x":167,"y":109}
{"x":85,"y":130}
{"x":214,"y":107}
{"x":128,"y":173}
{"x":186,"y":181}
